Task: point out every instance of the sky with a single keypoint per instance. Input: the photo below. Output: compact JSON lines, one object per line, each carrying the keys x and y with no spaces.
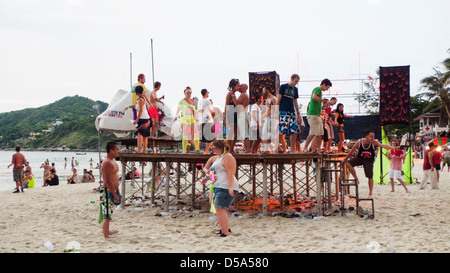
{"x":51,"y":49}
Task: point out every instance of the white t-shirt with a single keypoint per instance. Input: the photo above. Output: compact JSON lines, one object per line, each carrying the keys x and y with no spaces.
{"x":255,"y":113}
{"x":206,"y":107}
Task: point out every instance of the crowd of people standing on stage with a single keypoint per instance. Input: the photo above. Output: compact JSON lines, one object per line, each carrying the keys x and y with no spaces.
{"x":262,"y":126}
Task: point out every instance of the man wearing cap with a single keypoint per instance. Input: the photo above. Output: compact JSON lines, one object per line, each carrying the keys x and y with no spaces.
{"x":206,"y":112}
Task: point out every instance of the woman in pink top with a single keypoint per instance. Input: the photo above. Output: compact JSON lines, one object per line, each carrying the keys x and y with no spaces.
{"x":396,"y":157}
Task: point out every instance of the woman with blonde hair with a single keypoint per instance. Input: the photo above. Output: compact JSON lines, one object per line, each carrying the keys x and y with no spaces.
{"x":188,"y":121}
{"x":221,"y":170}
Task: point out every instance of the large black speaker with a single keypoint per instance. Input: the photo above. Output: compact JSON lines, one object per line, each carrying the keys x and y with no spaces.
{"x":394,"y":95}
{"x":259,"y":80}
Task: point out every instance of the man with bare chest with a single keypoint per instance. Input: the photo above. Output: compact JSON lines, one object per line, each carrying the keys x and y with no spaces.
{"x":153,"y":109}
{"x":109,"y":194}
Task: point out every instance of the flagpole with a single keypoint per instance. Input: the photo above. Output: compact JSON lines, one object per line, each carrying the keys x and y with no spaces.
{"x":131,"y":71}
{"x":153,"y":68}
{"x":381,"y":157}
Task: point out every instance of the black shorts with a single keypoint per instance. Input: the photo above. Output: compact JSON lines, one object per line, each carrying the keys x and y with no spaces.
{"x":207,"y":132}
{"x":143,"y":127}
{"x":325,"y":135}
{"x":366,"y":163}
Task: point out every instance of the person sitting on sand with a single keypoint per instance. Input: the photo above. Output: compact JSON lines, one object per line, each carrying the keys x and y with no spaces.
{"x":46,"y":170}
{"x":29,"y":181}
{"x":91,"y":176}
{"x":74,"y":179}
{"x":52,"y":179}
{"x":86,"y":177}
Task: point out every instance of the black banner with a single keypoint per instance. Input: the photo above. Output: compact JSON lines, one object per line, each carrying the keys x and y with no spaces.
{"x":259,"y":80}
{"x":394,"y":95}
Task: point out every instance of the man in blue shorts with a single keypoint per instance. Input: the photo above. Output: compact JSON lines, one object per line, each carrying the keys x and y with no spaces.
{"x":288,"y":107}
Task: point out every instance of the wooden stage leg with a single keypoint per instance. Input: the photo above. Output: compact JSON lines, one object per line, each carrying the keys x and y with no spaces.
{"x":167,"y":178}
{"x":318,"y":187}
{"x":124,"y":169}
{"x":265,"y":189}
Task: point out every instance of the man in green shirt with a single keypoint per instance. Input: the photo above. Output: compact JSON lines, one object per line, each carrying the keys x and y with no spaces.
{"x":313,"y":116}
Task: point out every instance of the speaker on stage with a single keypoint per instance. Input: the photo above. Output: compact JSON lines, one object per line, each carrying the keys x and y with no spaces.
{"x":394,"y":95}
{"x":259,"y":80}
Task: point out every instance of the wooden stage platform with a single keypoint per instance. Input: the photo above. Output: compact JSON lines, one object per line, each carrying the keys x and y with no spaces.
{"x":272,"y":177}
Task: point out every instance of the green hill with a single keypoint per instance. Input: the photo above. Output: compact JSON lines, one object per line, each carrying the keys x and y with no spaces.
{"x":68,"y":122}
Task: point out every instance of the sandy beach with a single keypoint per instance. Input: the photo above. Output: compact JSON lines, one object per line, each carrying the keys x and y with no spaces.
{"x":64,"y":215}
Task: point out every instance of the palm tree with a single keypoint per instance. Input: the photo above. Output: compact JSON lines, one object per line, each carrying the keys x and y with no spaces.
{"x":438,"y":85}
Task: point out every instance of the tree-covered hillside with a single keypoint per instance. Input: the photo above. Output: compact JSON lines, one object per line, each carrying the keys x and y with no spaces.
{"x":68,"y":122}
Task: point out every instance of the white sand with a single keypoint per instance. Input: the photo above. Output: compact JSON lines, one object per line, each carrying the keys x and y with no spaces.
{"x":65,"y":214}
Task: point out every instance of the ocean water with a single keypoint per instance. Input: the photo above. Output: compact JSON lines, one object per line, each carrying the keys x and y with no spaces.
{"x":37,"y":158}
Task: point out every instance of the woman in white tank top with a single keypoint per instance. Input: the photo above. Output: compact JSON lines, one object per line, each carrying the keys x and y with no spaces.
{"x":221,"y":170}
{"x":142,"y":122}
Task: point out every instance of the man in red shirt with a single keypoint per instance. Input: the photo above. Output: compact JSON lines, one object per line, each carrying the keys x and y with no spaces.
{"x":18,"y":160}
{"x":429,"y":168}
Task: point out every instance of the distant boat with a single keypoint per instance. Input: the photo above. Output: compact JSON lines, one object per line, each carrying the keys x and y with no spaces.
{"x":81,"y":153}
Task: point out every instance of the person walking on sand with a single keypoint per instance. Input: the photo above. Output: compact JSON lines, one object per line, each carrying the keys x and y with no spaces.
{"x":365,"y":156}
{"x":437,"y":159}
{"x":428,"y":168}
{"x":446,"y":158}
{"x":226,"y":186}
{"x":18,"y":160}
{"x":289,"y":111}
{"x":396,"y":157}
{"x":109,"y":193}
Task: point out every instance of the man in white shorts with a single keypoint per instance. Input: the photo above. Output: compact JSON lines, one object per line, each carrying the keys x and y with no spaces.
{"x":396,"y":157}
{"x":313,"y":116}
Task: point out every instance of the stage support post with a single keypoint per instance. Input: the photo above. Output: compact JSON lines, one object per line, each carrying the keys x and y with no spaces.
{"x":318,"y":187}
{"x":167,"y":178}
{"x":265,"y":189}
{"x":124,"y":169}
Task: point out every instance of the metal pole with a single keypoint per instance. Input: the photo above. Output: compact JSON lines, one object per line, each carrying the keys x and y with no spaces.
{"x":124,"y":167}
{"x":167,"y":180}
{"x":153,"y":68}
{"x":131,"y":71}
